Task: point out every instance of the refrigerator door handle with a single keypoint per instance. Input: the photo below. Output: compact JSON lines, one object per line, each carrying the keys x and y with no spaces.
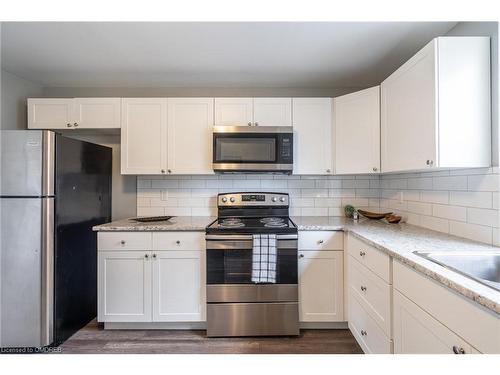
{"x":47,"y":301}
{"x":48,"y":163}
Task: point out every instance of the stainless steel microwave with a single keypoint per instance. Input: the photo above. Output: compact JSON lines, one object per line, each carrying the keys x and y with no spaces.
{"x":247,"y":149}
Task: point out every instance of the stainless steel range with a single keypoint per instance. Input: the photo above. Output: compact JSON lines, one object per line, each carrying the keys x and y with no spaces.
{"x":236,"y":305}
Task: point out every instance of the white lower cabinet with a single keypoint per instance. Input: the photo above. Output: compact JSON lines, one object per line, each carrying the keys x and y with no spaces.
{"x":124,"y":286}
{"x":321,"y":283}
{"x":178,"y":286}
{"x":158,"y":284}
{"x":417,"y":332}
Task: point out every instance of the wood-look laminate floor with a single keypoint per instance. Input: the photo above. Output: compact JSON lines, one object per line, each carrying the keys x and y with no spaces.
{"x":93,"y":339}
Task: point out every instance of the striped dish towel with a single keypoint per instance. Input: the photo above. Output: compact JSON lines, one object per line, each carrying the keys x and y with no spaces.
{"x":264,"y":258}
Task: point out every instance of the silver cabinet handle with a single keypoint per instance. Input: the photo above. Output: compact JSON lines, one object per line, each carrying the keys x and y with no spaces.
{"x":122,"y":242}
{"x":169,"y":170}
{"x":328,"y":171}
{"x":363,"y":288}
{"x":249,"y":124}
{"x":178,"y":242}
{"x":68,"y":125}
{"x":163,"y":171}
{"x":75,"y":124}
{"x":363,"y":333}
{"x":320,"y":241}
{"x":256,"y":124}
{"x":146,"y":256}
{"x":362,"y":253}
{"x":430,"y":162}
{"x":301,"y":255}
{"x":154,"y":256}
{"x":458,"y":350}
{"x":375,"y":169}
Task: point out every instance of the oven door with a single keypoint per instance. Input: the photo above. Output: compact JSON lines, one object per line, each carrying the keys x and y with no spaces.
{"x":250,"y":149}
{"x":229,"y":259}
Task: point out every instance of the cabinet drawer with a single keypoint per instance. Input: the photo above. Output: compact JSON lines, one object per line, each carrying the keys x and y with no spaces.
{"x":373,"y":293}
{"x":321,"y":240}
{"x":369,"y":335}
{"x":124,"y":241}
{"x":370,"y":257}
{"x":179,"y":241}
{"x":450,"y":308}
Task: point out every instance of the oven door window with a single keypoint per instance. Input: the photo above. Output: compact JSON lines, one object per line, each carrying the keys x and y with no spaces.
{"x":238,"y":149}
{"x":235,"y":266}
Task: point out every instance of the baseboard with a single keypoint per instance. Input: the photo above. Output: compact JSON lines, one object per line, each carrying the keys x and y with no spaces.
{"x":203,"y":325}
{"x":323,"y":325}
{"x":156,"y":325}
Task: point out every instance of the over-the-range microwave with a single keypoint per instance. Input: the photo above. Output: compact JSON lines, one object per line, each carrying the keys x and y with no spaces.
{"x":251,"y":149}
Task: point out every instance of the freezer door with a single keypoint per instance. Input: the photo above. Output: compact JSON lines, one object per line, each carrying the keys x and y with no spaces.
{"x":27,"y":163}
{"x":26,"y":238}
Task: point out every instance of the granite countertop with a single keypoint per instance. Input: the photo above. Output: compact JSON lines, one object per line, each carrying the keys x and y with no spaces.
{"x":177,"y":223}
{"x":400,"y":240}
{"x":396,"y":240}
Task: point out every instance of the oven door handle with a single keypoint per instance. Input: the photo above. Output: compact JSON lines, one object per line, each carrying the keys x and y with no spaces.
{"x":247,"y":237}
{"x":247,"y":245}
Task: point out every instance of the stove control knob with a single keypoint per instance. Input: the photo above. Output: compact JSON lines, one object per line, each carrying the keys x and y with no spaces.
{"x":274,"y":199}
{"x":282,"y":199}
{"x":224,"y":199}
{"x":232,"y":199}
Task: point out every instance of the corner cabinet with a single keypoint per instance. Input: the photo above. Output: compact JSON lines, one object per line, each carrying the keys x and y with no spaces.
{"x":312,"y":128}
{"x":435,"y":109}
{"x":74,"y":113}
{"x":357,"y":132}
{"x":160,"y":134}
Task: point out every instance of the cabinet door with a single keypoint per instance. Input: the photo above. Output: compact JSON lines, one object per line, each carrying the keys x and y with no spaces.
{"x":190,"y":123}
{"x":124,"y":286}
{"x":312,"y":127}
{"x":417,"y":332}
{"x":144,"y":136}
{"x":233,"y":111}
{"x":97,"y":113}
{"x":178,"y":286}
{"x":321,"y":286}
{"x":272,"y":111}
{"x":357,"y":132}
{"x":409,"y":114}
{"x":50,"y":114}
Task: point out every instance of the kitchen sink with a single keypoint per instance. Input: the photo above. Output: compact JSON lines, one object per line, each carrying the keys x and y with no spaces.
{"x":483,"y":267}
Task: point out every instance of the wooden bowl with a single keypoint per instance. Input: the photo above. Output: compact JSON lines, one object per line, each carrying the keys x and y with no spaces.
{"x":393,"y":219}
{"x":374,"y":215}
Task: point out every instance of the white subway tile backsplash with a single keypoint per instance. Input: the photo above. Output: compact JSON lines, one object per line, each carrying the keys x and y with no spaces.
{"x":483,"y":216}
{"x":449,"y":183}
{"x":462,"y":202}
{"x":449,"y":212}
{"x":472,"y":231}
{"x":471,"y":199}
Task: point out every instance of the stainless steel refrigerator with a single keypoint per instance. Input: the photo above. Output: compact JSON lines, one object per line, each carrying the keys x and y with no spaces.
{"x":53,"y":189}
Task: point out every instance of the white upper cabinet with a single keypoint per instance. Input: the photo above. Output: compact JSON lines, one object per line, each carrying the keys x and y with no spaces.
{"x":50,"y":113}
{"x":435,"y":109}
{"x":253,"y":111}
{"x":272,"y":111}
{"x":312,"y":128}
{"x":85,"y":113}
{"x":190,"y":124}
{"x":234,"y":111}
{"x":144,"y":136}
{"x":97,"y":113}
{"x":357,"y":132}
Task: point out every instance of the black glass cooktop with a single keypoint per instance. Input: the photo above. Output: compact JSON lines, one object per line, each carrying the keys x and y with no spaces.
{"x":252,"y":225}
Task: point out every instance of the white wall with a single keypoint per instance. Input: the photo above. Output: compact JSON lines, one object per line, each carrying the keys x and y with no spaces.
{"x":14,"y":91}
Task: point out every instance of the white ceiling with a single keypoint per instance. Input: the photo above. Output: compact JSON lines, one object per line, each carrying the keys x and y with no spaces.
{"x":322,"y":55}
